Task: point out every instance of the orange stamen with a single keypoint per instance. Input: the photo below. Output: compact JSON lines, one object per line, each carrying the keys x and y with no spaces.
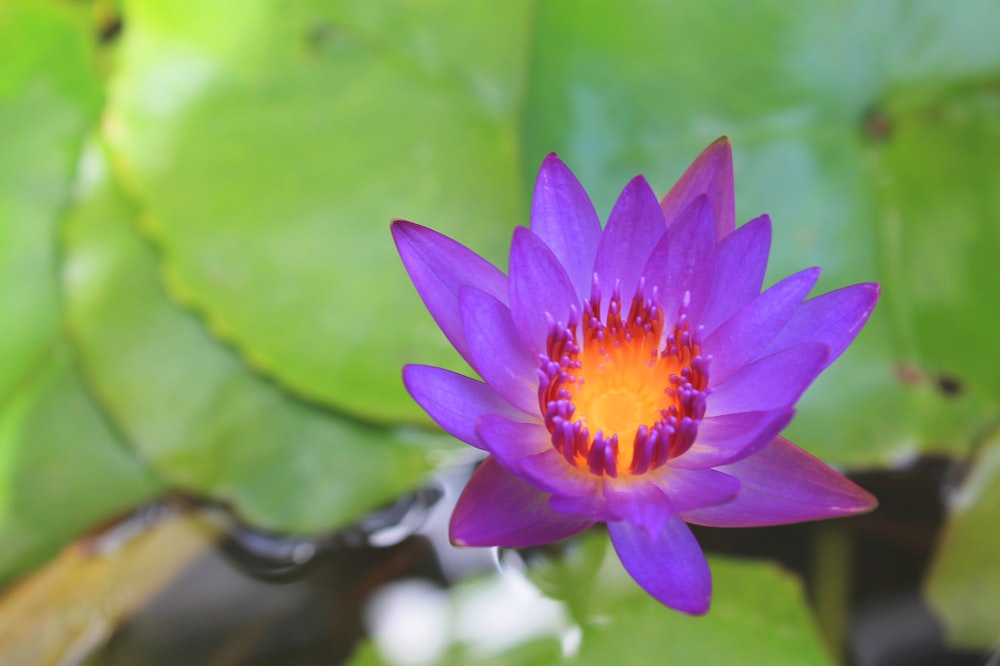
{"x":619,"y":397}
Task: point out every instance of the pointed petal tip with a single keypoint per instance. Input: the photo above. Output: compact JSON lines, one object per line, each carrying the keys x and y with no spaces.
{"x":863,"y":502}
{"x":712,"y":173}
{"x":635,"y":227}
{"x":456,"y":402}
{"x":411,"y":378}
{"x":721,"y":144}
{"x":874,"y":293}
{"x":405,"y":370}
{"x":520,"y":232}
{"x":439,"y":268}
{"x":763,"y":221}
{"x":399,"y":227}
{"x":563,"y":216}
{"x":860,"y":502}
{"x":696,"y":609}
{"x":867,"y":293}
{"x":553,"y":170}
{"x":639,"y":181}
{"x":784,"y":484}
{"x":694,"y":606}
{"x":717,"y":156}
{"x":538,"y":283}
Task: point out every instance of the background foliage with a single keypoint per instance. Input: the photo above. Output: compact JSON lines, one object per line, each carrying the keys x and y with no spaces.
{"x":198,"y":289}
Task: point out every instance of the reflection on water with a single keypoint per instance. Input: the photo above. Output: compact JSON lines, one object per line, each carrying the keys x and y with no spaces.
{"x":277,"y":557}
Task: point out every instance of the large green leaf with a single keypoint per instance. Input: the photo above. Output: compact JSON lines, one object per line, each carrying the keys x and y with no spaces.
{"x":48,"y":97}
{"x":963,"y":585}
{"x":809,"y":94}
{"x":942,"y":196}
{"x":62,"y":468}
{"x":272,"y":142}
{"x":191,"y":406}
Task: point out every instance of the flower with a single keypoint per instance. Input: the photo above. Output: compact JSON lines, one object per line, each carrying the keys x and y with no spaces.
{"x":634,"y":375}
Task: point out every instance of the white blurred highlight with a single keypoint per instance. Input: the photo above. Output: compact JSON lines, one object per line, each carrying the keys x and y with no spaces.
{"x":408,"y":622}
{"x":413,"y":623}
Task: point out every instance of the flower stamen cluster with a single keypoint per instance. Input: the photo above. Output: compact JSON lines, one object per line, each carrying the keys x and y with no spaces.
{"x":620,"y":396}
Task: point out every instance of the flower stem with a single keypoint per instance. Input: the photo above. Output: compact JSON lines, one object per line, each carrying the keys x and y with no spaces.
{"x":832,"y":564}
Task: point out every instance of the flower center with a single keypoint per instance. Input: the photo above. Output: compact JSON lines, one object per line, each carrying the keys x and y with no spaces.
{"x":620,"y":394}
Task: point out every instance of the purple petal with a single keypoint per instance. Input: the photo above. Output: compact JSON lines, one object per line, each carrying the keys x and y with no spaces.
{"x":712,"y":174}
{"x":496,"y":349}
{"x":634,"y":228}
{"x":783,"y":484}
{"x":747,"y":333}
{"x":740,"y":264}
{"x":639,"y":503}
{"x":549,"y":471}
{"x":455,"y":401}
{"x":439,"y":267}
{"x":683,"y":261}
{"x":538,"y":286}
{"x":730,"y":437}
{"x":498,"y":509}
{"x":695,"y":488}
{"x":833,"y":319}
{"x":563,"y":216}
{"x":773,"y":382}
{"x":511,"y":441}
{"x":591,"y":506}
{"x":525,"y":449}
{"x":668,"y":565}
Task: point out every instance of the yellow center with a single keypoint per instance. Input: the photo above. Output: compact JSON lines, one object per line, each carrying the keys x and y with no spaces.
{"x":618,"y":396}
{"x":619,"y":389}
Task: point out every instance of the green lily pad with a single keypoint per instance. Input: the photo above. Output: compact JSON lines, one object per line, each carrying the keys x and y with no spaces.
{"x":62,"y":468}
{"x":942,"y":196}
{"x":271,"y":144}
{"x":643,"y":87}
{"x":759,"y":615}
{"x":192,"y":408}
{"x":963,"y":585}
{"x":48,"y":98}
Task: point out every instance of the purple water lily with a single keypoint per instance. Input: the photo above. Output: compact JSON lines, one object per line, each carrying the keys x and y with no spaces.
{"x":634,"y":375}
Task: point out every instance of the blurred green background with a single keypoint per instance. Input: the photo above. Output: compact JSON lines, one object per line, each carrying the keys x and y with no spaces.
{"x":198,"y":291}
